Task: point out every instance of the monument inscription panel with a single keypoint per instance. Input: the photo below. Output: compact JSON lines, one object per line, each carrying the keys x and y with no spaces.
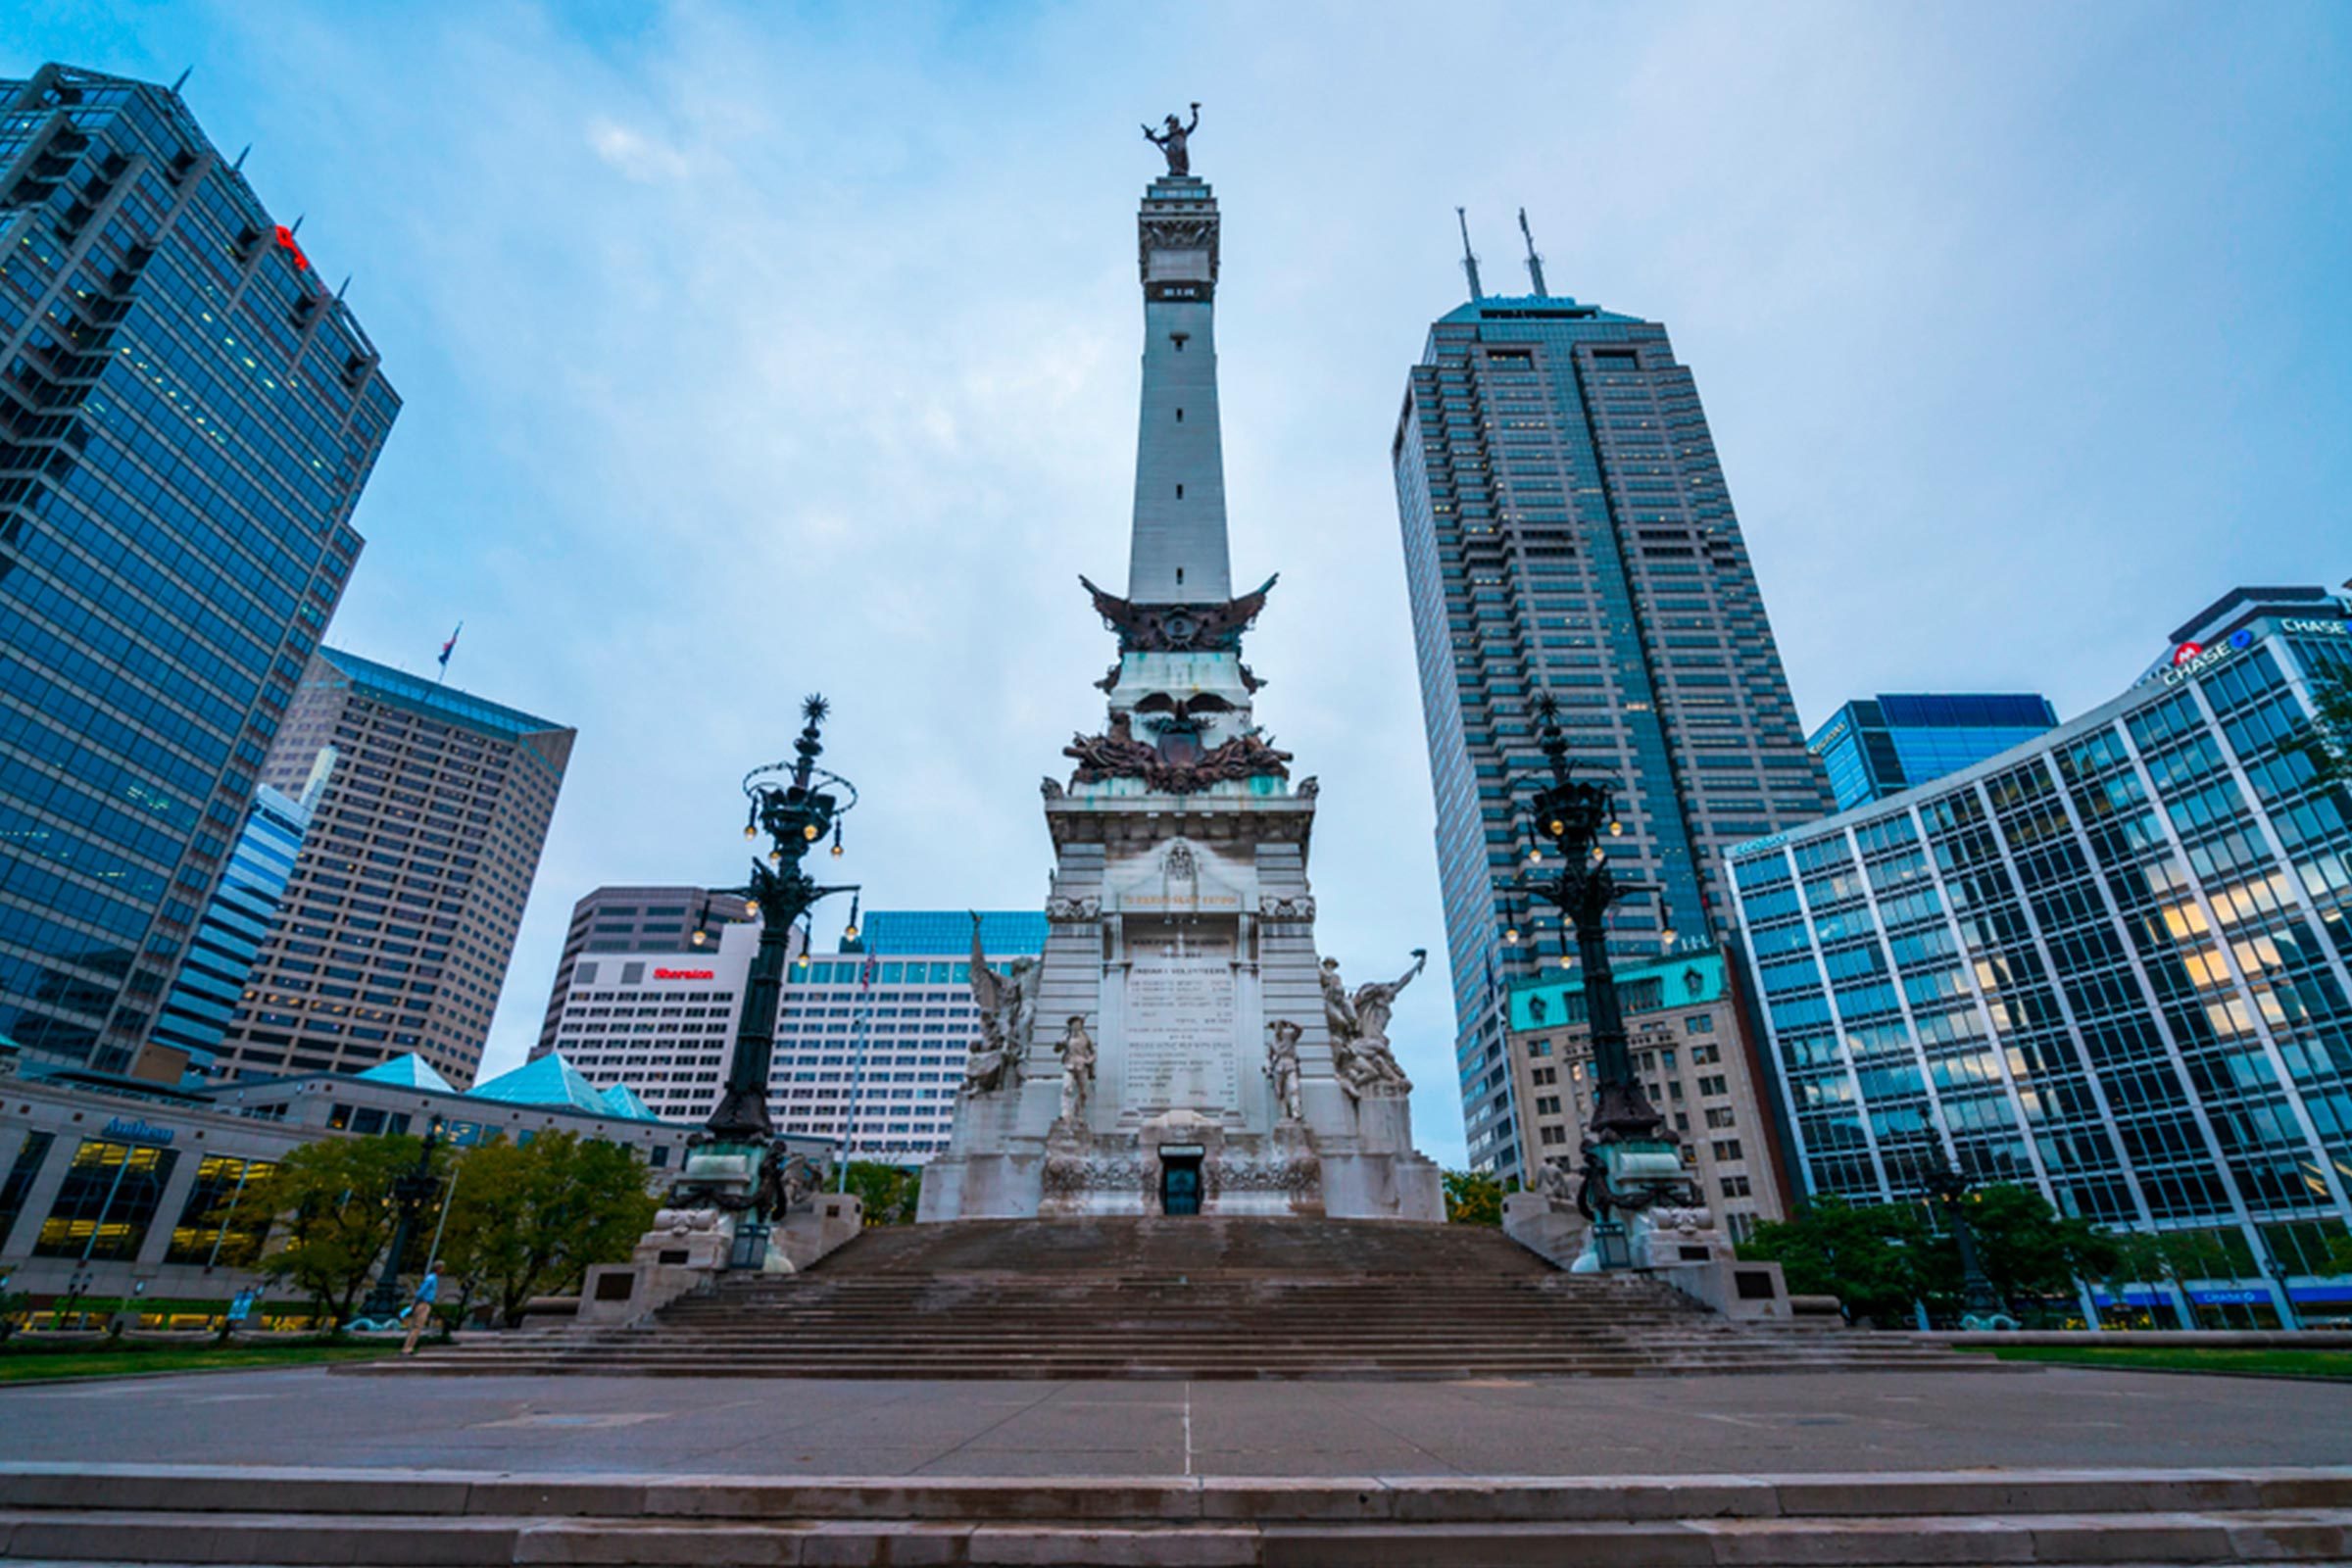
{"x":1179,"y":1026}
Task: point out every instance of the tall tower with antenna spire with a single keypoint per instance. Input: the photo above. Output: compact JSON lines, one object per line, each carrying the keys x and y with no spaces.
{"x":1181,"y":1048}
{"x":1567,"y":528}
{"x":1535,"y":263}
{"x":1469,"y":257}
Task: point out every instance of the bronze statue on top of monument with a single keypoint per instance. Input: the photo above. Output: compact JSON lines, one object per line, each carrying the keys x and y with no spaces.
{"x":1172,"y":141}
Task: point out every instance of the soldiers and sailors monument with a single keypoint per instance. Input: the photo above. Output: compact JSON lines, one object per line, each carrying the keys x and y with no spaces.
{"x":1181,"y":1046}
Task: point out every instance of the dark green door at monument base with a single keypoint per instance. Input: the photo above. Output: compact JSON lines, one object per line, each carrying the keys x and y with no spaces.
{"x":1180,"y":1186}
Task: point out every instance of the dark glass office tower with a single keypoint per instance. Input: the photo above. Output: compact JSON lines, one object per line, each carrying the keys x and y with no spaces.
{"x":1878,"y":746}
{"x":236,"y":924}
{"x":187,"y":414}
{"x":1567,"y":529}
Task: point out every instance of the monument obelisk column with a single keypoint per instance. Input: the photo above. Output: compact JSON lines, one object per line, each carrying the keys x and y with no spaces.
{"x":1178,"y":555}
{"x":1226,"y":1072}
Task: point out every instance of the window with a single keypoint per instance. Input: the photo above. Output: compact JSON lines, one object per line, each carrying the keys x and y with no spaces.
{"x":1727,"y":1148}
{"x":1720,"y":1116}
{"x":1735,"y":1187}
{"x":215,"y":1225}
{"x":1698,"y":1023}
{"x":31,"y":1155}
{"x":108,"y":1196}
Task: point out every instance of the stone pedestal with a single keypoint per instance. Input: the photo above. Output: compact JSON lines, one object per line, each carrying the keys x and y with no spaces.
{"x":1553,"y":1231}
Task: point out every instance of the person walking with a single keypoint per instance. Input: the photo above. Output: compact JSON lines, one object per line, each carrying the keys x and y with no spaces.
{"x":421,"y":1310}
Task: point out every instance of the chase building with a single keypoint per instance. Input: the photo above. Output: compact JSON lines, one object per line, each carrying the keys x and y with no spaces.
{"x":2111,"y":962}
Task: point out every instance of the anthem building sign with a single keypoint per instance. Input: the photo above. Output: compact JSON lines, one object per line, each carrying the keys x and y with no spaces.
{"x":1181,"y":1048}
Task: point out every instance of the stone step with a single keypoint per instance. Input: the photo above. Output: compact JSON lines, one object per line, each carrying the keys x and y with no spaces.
{"x":195,"y":1514}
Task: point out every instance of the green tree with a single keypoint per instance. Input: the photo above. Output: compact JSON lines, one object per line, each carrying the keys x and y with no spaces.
{"x":2327,"y":745}
{"x":1473,"y":1197}
{"x":2027,"y":1248}
{"x":1870,"y":1257}
{"x":890,"y":1193}
{"x":334,"y":1200}
{"x":528,"y":1219}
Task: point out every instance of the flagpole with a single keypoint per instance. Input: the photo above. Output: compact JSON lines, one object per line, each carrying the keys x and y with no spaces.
{"x":447,"y":648}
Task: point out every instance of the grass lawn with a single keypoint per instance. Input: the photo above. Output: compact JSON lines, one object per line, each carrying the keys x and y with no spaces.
{"x":2175,"y":1358}
{"x":19,"y":1364}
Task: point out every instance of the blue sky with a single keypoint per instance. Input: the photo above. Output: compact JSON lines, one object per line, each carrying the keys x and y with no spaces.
{"x":751,"y":349}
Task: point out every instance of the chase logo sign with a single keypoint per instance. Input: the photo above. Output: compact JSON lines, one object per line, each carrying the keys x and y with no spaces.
{"x":2194,"y":659}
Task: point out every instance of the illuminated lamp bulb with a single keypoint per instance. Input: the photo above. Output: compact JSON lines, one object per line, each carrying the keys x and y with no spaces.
{"x":848,"y":933}
{"x":775,"y":857}
{"x":1666,"y":938}
{"x":803,"y":960}
{"x":751,"y":909}
{"x":1511,"y":935}
{"x":837,"y":848}
{"x":1557,"y":828}
{"x":1535,"y":856}
{"x":810,"y":832}
{"x":700,"y":937}
{"x":1565,"y":960}
{"x":749,"y":832}
{"x":1616,"y":830}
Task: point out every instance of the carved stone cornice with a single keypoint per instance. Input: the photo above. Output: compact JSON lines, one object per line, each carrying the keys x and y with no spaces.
{"x":1180,"y":628}
{"x":1118,"y":754}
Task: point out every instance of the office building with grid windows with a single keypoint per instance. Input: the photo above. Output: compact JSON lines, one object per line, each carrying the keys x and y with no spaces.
{"x":1875,"y":746}
{"x":1567,"y":529}
{"x":660,"y":1015}
{"x":1686,"y":1036}
{"x":187,"y":417}
{"x":646,"y":921}
{"x":2111,"y":962}
{"x":396,"y":927}
{"x":870,"y":1045}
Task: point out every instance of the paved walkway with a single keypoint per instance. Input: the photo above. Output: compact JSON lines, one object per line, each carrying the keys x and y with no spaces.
{"x":2057,"y":1418}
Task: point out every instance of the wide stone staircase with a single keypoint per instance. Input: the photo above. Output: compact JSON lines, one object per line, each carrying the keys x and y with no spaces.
{"x":1195,"y":1297}
{"x":84,"y":1513}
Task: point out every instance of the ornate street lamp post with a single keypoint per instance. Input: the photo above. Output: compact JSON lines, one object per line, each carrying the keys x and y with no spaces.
{"x":796,"y":806}
{"x":1951,"y":1188}
{"x":1630,"y":1160}
{"x":409,"y":1190}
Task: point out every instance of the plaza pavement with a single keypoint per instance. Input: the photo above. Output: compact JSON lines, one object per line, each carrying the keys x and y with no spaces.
{"x":1895,"y":1421}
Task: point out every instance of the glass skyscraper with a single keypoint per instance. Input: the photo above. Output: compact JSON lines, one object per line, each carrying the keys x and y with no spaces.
{"x":187,"y":414}
{"x":2111,"y":962}
{"x":236,"y":924}
{"x":1567,"y":529}
{"x":1879,"y":745}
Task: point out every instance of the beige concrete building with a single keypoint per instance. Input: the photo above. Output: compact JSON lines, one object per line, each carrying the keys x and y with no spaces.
{"x":395,"y":930}
{"x":1683,"y":1028}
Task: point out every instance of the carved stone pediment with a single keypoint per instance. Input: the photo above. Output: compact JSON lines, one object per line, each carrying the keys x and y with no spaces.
{"x":1178,"y":877}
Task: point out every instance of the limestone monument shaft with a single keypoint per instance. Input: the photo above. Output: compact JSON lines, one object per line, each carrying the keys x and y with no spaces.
{"x":1181,"y":1046}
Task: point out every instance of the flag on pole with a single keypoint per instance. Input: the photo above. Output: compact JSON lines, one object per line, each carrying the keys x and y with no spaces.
{"x":449,"y":648}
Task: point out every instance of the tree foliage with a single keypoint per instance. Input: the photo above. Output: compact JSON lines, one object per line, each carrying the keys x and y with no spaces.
{"x":528,"y":1219}
{"x":890,"y":1193}
{"x":334,"y":1200}
{"x":1473,"y":1197}
{"x":1867,"y":1256}
{"x":2026,"y":1247}
{"x":1881,"y":1259}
